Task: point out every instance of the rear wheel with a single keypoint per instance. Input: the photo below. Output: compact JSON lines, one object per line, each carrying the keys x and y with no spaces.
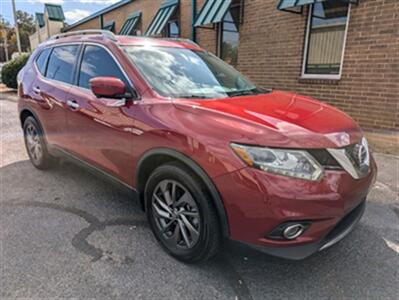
{"x":36,"y":146}
{"x":181,"y":214}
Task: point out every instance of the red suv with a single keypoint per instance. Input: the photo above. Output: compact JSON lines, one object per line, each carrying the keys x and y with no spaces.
{"x":211,"y":155}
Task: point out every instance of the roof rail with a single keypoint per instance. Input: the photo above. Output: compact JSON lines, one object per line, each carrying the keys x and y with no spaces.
{"x":106,"y":33}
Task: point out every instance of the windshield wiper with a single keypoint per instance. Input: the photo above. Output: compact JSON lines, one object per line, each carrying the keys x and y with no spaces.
{"x":255,"y":91}
{"x":193,"y":97}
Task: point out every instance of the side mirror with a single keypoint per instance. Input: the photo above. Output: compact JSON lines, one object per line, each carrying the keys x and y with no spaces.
{"x":108,"y":87}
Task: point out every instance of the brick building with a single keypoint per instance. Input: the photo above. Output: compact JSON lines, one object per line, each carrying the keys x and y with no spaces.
{"x":344,"y":52}
{"x":47,"y":24}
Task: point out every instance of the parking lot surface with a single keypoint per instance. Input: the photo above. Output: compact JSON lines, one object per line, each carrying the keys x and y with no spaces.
{"x":67,"y":233}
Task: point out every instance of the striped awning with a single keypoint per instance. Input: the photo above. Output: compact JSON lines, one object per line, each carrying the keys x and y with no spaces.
{"x":130,"y":23}
{"x":286,"y":4}
{"x":109,"y":26}
{"x":162,"y":17}
{"x":213,"y":11}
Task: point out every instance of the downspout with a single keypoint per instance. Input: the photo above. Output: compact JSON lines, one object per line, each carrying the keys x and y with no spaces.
{"x":101,"y":22}
{"x":194,"y":16}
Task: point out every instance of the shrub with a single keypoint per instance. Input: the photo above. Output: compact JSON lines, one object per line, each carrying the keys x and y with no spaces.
{"x":10,"y":70}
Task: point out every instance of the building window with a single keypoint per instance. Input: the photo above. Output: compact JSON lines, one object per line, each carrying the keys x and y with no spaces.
{"x":325,"y":39}
{"x":172,"y":29}
{"x":109,"y":26}
{"x":229,"y":34}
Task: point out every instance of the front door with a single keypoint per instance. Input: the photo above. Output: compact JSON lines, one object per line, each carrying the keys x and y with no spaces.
{"x":100,"y":134}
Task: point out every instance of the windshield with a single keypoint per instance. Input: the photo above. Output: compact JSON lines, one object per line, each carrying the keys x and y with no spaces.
{"x":185,"y":73}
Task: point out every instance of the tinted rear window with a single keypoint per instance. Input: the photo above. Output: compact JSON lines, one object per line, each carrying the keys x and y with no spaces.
{"x":41,"y":61}
{"x":61,"y":63}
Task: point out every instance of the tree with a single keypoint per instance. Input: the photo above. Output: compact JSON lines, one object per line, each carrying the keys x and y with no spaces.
{"x":5,"y":29}
{"x":27,"y":26}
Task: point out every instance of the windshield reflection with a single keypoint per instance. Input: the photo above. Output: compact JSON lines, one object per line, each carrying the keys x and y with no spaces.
{"x":185,"y":73}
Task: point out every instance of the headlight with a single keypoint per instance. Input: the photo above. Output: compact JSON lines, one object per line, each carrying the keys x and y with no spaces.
{"x":294,"y":163}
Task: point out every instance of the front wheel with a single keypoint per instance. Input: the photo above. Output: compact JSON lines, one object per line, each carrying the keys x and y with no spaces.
{"x":181,"y":214}
{"x":36,"y":146}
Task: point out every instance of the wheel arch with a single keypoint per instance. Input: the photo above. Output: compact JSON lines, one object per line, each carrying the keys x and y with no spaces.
{"x":25,"y":113}
{"x":154,"y":158}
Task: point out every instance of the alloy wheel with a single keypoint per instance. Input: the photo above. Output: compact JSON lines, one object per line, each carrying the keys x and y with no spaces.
{"x":176,"y":215}
{"x":33,"y":143}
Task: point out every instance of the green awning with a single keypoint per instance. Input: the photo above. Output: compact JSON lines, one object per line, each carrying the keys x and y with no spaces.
{"x":131,"y":23}
{"x":162,"y":17}
{"x":284,"y":4}
{"x":54,"y":12}
{"x":40,"y":19}
{"x":109,"y":26}
{"x":213,"y":11}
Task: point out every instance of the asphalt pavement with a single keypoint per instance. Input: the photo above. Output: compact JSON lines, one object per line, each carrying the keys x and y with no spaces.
{"x":66,"y":233}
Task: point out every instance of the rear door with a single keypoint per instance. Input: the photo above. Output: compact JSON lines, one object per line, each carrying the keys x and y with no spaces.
{"x":55,"y":67}
{"x":100,"y":134}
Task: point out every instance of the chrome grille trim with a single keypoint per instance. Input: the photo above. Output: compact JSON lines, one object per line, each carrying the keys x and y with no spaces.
{"x":345,"y":158}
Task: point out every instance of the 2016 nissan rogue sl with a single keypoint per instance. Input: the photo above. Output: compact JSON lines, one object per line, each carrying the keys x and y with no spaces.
{"x":211,"y":155}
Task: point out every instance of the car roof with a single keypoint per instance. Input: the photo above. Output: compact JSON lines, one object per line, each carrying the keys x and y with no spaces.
{"x":125,"y":41}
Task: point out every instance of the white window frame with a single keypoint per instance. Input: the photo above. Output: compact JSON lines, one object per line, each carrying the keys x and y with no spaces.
{"x":305,"y":54}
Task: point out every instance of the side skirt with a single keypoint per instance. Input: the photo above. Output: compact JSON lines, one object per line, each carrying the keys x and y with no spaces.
{"x":64,"y":154}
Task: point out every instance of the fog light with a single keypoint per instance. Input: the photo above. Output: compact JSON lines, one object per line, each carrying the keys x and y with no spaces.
{"x":293,"y":231}
{"x":289,"y":230}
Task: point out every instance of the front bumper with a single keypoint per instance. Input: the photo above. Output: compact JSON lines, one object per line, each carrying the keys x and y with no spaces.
{"x":256,"y":202}
{"x":341,"y":230}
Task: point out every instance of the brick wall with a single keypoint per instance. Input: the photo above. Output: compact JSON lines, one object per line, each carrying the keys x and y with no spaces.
{"x":271,"y":53}
{"x":272,"y":47}
{"x":92,"y":24}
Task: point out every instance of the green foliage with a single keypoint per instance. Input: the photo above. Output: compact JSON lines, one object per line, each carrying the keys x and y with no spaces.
{"x":27,"y":26}
{"x":10,"y":70}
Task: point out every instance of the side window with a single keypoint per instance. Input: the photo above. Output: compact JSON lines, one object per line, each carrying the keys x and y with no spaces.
{"x":41,"y":61}
{"x":97,"y":62}
{"x":61,"y":63}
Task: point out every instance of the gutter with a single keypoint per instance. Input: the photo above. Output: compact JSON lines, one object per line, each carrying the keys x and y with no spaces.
{"x":194,"y":16}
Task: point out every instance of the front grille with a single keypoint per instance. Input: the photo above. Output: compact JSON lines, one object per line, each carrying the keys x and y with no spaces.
{"x":325,"y":159}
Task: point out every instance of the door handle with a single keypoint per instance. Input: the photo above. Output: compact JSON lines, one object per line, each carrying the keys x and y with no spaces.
{"x":36,"y":90}
{"x":72,"y":104}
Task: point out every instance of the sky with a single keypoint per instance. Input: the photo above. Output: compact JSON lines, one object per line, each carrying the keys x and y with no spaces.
{"x":74,"y":10}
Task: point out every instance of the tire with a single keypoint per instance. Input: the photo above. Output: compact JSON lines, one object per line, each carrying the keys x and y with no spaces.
{"x":36,"y":145}
{"x":188,"y":200}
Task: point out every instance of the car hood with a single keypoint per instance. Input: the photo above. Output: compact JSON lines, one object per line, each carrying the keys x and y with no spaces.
{"x":289,"y":119}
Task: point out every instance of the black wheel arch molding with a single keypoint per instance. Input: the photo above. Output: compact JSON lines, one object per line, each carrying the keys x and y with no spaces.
{"x":27,"y":109}
{"x":197,"y":169}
